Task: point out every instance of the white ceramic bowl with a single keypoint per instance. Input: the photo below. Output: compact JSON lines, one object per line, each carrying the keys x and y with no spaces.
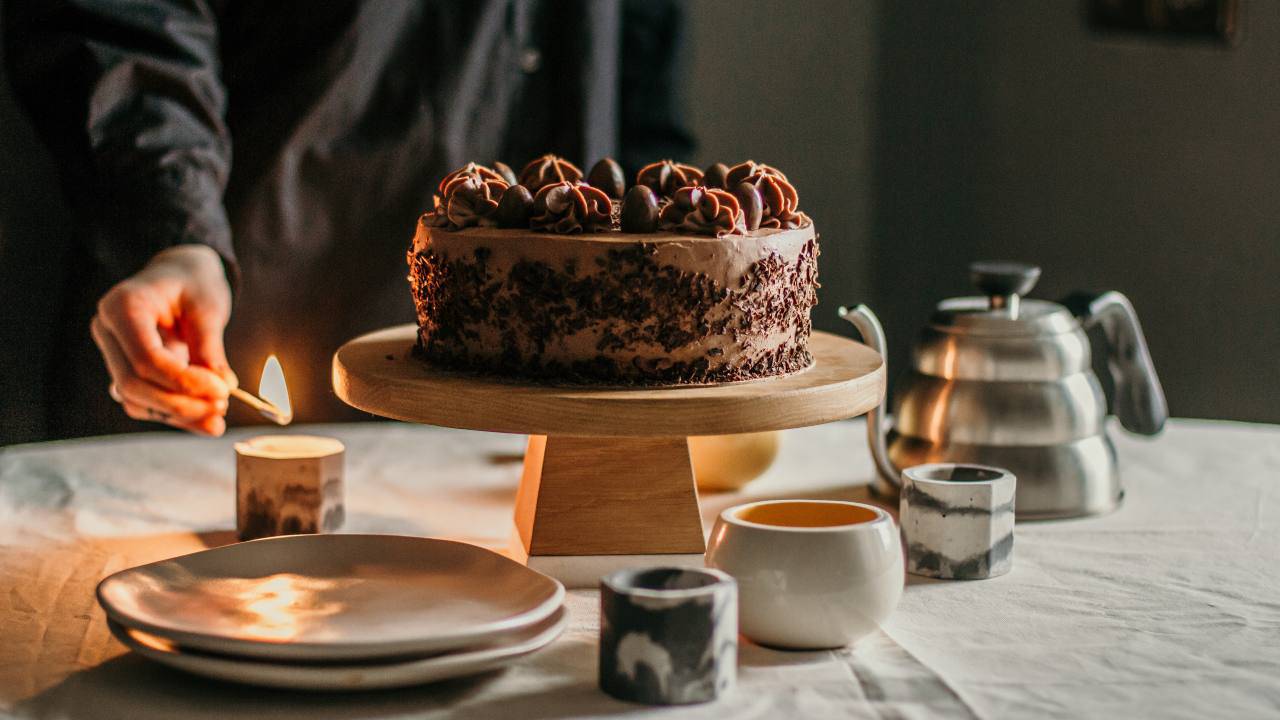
{"x":811,"y":573}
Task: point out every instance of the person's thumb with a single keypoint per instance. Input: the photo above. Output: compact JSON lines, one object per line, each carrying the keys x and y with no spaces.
{"x":207,"y":348}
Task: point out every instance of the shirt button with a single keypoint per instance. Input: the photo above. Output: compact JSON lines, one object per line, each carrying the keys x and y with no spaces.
{"x":530,"y":60}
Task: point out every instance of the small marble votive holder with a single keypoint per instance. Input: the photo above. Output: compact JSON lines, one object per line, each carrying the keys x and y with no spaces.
{"x":288,"y":485}
{"x":957,"y":520}
{"x":668,"y":636}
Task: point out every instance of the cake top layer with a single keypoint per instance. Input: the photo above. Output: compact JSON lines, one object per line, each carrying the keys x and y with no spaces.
{"x":551,"y":196}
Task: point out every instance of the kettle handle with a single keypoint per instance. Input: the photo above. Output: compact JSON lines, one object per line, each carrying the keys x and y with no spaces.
{"x":1139,"y":400}
{"x":868,"y":326}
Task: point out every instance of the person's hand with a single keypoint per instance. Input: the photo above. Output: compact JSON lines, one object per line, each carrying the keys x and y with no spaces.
{"x":160,"y":333}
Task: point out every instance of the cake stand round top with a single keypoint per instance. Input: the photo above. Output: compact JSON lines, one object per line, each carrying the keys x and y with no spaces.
{"x":379,"y":374}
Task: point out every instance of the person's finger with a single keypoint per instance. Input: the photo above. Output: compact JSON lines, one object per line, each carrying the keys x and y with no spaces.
{"x":205,"y":342}
{"x":169,"y":405}
{"x":145,"y":414}
{"x":117,"y":364}
{"x":134,"y":325}
{"x":207,"y":373}
{"x":230,"y":378}
{"x":176,"y":346}
{"x":214,"y":425}
{"x":129,"y":388}
{"x":134,"y":322}
{"x":205,"y":383}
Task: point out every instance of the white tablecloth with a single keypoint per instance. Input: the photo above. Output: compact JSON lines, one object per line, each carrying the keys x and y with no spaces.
{"x":1169,"y":607}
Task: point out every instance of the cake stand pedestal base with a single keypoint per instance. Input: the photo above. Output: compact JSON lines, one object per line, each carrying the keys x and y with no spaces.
{"x":585,"y":571}
{"x":588,"y":505}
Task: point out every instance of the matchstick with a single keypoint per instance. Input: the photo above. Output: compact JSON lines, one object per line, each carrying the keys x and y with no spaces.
{"x":268,"y":410}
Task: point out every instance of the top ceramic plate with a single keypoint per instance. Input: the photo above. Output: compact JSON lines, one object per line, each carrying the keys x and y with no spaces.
{"x":332,"y":597}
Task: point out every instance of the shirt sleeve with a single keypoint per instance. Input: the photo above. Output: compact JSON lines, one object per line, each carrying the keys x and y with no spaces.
{"x":128,"y":98}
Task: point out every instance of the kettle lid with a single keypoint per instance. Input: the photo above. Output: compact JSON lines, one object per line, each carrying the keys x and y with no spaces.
{"x":1003,"y":310}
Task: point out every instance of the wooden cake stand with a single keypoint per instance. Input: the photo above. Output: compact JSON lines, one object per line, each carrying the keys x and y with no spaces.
{"x":607,"y":480}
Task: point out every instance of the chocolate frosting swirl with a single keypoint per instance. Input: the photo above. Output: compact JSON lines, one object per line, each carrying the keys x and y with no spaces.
{"x":471,"y":201}
{"x":571,"y":207}
{"x":778,"y":196}
{"x":740,"y":172}
{"x":481,"y":185}
{"x":703,"y":211}
{"x":471,"y":169}
{"x":547,"y":170}
{"x":665,"y":177}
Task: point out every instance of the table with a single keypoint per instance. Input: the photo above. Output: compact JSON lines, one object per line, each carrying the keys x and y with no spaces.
{"x":1169,"y":607}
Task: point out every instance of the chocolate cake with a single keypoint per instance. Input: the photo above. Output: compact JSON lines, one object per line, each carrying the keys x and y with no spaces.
{"x":677,"y":280}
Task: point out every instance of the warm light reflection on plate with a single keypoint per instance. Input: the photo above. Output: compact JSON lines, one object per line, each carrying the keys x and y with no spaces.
{"x":154,"y":642}
{"x":276,"y":606}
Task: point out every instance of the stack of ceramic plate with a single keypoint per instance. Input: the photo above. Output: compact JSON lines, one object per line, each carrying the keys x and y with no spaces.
{"x":335,"y":612}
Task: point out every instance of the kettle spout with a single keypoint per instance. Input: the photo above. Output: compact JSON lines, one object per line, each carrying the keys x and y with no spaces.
{"x":868,"y":326}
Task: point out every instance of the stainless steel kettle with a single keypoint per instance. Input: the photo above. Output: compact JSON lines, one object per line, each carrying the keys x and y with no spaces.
{"x":1008,"y":381}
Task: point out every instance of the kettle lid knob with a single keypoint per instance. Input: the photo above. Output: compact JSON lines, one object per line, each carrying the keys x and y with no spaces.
{"x":1004,"y":282}
{"x":999,"y":278}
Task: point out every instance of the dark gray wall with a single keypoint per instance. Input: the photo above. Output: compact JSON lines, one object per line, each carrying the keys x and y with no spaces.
{"x":924,"y":135}
{"x":792,"y":85}
{"x":1009,"y":129}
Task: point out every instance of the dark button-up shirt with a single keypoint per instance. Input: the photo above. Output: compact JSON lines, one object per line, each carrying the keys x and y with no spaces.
{"x":301,"y":140}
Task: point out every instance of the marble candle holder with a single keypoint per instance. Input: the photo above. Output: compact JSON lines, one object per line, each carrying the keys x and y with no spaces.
{"x":958,"y":520}
{"x":668,"y":636}
{"x":288,"y":485}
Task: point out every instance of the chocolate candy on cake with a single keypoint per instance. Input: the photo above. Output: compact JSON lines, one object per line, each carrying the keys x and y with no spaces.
{"x":714,"y":176}
{"x":639,"y":211}
{"x":687,"y":293}
{"x":515,"y":208}
{"x":607,"y":175}
{"x":752,"y":205}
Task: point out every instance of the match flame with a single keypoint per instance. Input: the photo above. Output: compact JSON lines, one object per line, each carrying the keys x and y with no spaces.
{"x":273,"y":389}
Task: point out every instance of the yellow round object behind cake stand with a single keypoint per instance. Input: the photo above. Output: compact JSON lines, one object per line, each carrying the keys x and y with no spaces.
{"x":723,"y":463}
